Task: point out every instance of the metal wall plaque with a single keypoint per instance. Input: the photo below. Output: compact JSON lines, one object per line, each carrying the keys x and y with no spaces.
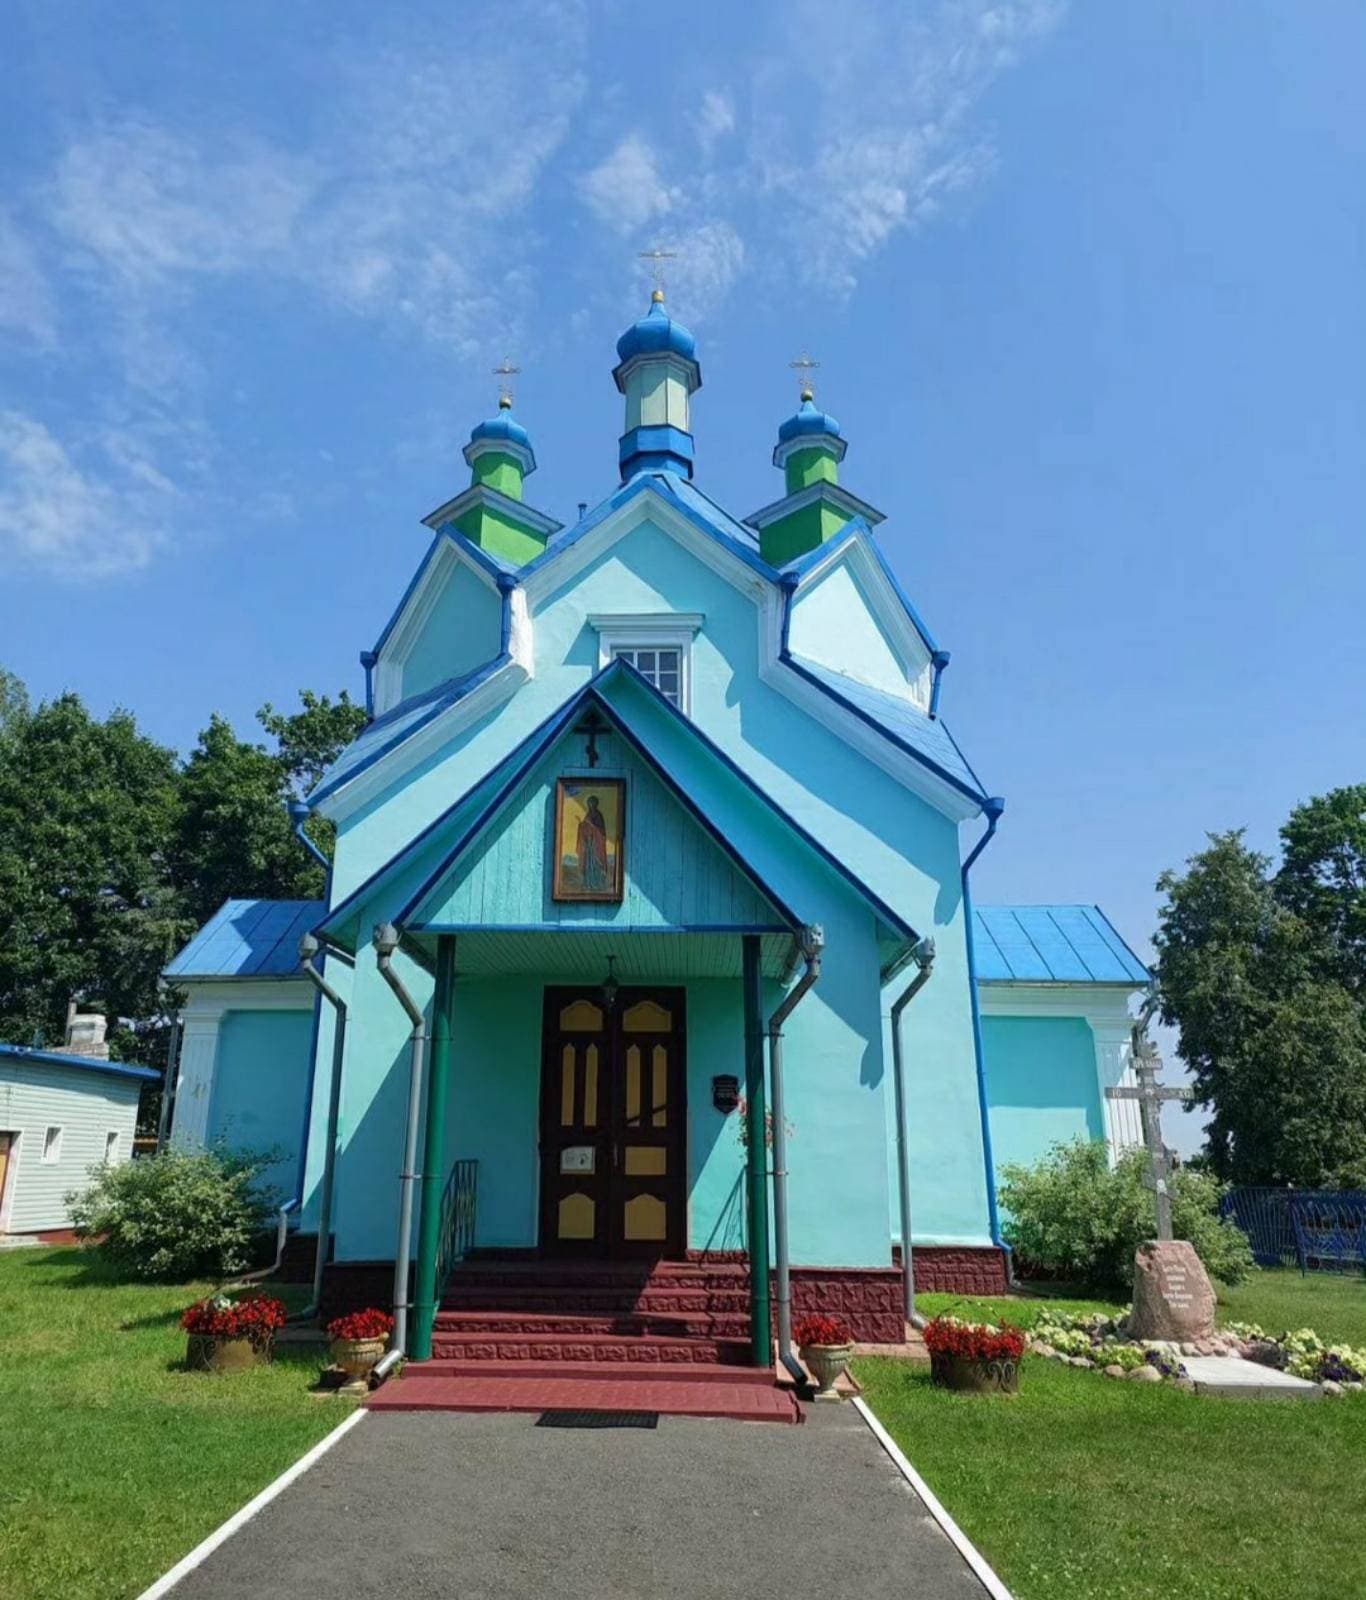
{"x":577,"y":1158}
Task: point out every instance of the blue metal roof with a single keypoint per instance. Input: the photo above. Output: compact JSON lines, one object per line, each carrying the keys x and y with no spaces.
{"x":57,"y":1058}
{"x":1052,"y":944}
{"x":249,"y":939}
{"x":905,"y":724}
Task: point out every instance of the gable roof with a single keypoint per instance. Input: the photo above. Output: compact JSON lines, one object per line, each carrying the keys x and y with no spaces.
{"x":1052,"y":944}
{"x":22,"y":1055}
{"x":466,"y":820}
{"x":413,"y":725}
{"x":248,"y":939}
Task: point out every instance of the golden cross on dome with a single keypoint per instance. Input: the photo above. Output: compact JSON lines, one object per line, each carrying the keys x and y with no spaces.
{"x":804,"y":366}
{"x":657,"y":257}
{"x":505,"y":372}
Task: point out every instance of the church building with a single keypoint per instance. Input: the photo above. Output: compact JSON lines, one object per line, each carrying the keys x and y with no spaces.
{"x":648,"y":1008}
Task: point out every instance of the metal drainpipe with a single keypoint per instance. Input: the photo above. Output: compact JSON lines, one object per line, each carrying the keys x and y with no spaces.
{"x":993,"y":809}
{"x":386,"y":941}
{"x":299,"y":814}
{"x":810,"y":942}
{"x":923,"y":956}
{"x":308,"y":951}
{"x":168,"y":1085}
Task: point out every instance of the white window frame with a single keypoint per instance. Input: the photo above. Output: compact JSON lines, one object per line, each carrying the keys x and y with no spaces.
{"x":643,"y":630}
{"x":52,"y":1148}
{"x":111,"y":1147}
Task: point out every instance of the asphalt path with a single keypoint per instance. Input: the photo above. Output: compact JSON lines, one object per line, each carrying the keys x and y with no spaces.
{"x":417,"y":1504}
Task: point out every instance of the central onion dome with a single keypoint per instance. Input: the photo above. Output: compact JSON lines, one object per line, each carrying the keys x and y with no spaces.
{"x":657,"y":371}
{"x":656,"y":334}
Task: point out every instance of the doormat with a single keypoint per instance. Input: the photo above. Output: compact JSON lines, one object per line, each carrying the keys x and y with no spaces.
{"x":598,"y":1419}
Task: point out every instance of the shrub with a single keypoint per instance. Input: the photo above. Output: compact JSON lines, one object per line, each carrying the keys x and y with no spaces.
{"x":1071,"y":1215}
{"x":178,"y":1214}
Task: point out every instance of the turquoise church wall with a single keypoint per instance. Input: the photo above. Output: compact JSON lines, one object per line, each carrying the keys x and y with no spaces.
{"x":463,"y":631}
{"x":259,"y":1083}
{"x":839,"y":1092}
{"x":1044,"y":1091}
{"x":831,"y":623}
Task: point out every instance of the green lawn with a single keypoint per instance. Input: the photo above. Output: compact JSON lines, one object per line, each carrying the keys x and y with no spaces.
{"x":114,"y":1462}
{"x":1088,"y":1488}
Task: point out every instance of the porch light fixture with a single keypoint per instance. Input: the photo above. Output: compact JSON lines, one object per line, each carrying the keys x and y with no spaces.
{"x":610,"y":986}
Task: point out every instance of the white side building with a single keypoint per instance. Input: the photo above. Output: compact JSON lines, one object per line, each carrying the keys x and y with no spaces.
{"x":60,"y":1115}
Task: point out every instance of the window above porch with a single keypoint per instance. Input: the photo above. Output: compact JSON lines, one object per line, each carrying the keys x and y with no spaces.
{"x":657,"y":644}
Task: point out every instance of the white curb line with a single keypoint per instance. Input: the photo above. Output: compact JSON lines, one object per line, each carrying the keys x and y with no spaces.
{"x":960,"y":1541}
{"x":239,"y":1519}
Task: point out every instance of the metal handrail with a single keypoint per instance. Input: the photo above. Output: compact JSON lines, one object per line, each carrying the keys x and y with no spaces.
{"x":457,"y":1219}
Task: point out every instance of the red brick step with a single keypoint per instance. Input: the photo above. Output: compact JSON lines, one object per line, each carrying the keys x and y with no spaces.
{"x":419,"y":1390}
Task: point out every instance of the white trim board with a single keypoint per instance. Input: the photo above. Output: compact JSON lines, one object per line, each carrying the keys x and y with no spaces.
{"x":927,"y":1497}
{"x":239,"y":1519}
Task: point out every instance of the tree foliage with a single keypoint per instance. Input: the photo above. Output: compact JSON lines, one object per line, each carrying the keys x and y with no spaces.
{"x":1264,"y":975}
{"x":112,"y":850}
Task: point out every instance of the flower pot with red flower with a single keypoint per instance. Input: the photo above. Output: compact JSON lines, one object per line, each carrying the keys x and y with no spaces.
{"x":825,"y":1344}
{"x":227,"y":1335}
{"x":976,"y":1356}
{"x":358,"y":1340}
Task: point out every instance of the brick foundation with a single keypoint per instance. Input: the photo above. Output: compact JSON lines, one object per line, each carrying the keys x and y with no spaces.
{"x":960,"y":1269}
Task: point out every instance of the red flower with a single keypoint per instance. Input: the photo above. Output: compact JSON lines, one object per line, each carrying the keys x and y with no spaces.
{"x":254,"y":1317}
{"x":974,"y":1341}
{"x":821,"y":1329}
{"x":368,"y":1324}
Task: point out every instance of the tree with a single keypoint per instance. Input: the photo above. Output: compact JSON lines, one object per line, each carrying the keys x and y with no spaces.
{"x":86,"y":906}
{"x":1323,"y":876}
{"x":235,"y":838}
{"x":1261,"y":974}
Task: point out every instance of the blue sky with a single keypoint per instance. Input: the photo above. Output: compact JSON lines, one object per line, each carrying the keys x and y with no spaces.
{"x":1085,"y":283}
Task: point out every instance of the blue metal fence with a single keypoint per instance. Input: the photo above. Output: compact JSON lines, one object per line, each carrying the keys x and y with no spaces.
{"x":1317,"y":1230}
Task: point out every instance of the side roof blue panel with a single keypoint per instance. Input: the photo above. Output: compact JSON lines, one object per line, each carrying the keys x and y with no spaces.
{"x":23,"y":1056}
{"x":248,"y":939}
{"x":905,"y":724}
{"x":1052,"y":944}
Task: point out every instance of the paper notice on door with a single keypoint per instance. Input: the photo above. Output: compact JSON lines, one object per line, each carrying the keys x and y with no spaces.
{"x":576,"y":1158}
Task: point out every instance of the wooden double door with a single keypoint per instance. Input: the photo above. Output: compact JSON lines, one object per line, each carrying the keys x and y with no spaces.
{"x":613,"y":1124}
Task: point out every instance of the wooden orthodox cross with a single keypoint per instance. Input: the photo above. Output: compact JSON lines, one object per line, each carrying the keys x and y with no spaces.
{"x":1150,"y":1094}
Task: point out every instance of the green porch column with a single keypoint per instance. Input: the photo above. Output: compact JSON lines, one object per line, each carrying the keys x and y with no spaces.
{"x":434,"y":1151}
{"x":756,"y":1154}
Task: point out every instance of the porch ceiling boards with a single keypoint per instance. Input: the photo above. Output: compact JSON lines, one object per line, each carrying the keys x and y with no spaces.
{"x":640,"y":955}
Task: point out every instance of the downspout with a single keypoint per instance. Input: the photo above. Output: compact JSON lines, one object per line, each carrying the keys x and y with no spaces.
{"x":810,"y":942}
{"x":299,"y":814}
{"x":992,"y":809}
{"x":308,"y":952}
{"x":386,"y":940}
{"x":923,"y":956}
{"x":169,"y":1083}
{"x":938,"y":662}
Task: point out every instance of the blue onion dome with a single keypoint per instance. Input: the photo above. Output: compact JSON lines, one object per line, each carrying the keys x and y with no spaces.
{"x":502,"y":429}
{"x":656,"y":334}
{"x":807,"y":421}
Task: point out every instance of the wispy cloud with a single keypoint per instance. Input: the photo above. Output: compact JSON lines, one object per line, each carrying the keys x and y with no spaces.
{"x":625,"y":190}
{"x":79,"y":514}
{"x":822,"y":161}
{"x":403,"y":203}
{"x":27,"y":305}
{"x":714,"y":120}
